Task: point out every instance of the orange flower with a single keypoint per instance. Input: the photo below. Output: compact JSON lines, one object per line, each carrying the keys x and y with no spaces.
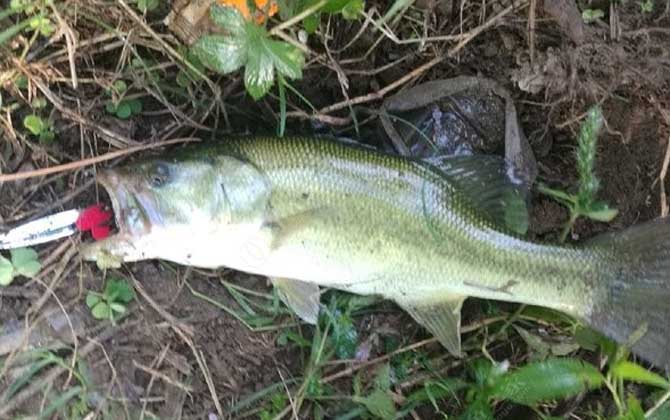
{"x":262,"y":11}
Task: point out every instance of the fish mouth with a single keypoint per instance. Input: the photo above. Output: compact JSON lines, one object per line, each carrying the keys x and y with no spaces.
{"x":133,"y":212}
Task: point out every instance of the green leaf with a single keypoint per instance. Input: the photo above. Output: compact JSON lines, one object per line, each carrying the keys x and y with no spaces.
{"x":646,"y":6}
{"x":100,"y":311}
{"x":17,"y":5}
{"x":47,"y":28}
{"x":548,"y":380}
{"x":590,"y":339}
{"x":662,"y":413}
{"x":478,"y":410}
{"x":482,"y":371}
{"x":228,"y":18}
{"x":39,"y":103}
{"x":435,"y":390}
{"x":110,"y":107}
{"x":61,"y":401}
{"x":601,"y":212}
{"x":259,"y":73}
{"x":591,"y":15}
{"x":333,"y":6}
{"x":353,"y":9}
{"x":27,"y":376}
{"x":119,"y":87}
{"x":564,"y":348}
{"x":47,"y":137}
{"x":263,"y":56}
{"x":34,"y":124}
{"x":42,"y":24}
{"x":123,"y":110}
{"x":345,"y":336}
{"x":118,"y":290}
{"x":568,"y":200}
{"x":290,"y":335}
{"x":287,"y":59}
{"x":6,"y":271}
{"x":13,"y":30}
{"x":379,"y":403}
{"x":92,"y":300}
{"x":145,"y":5}
{"x":135,"y":106}
{"x":633,"y":372}
{"x":311,"y":22}
{"x":117,"y":307}
{"x":223,"y":54}
{"x":634,"y":410}
{"x":25,"y":261}
{"x":186,"y":75}
{"x":383,"y":378}
{"x":247,"y":45}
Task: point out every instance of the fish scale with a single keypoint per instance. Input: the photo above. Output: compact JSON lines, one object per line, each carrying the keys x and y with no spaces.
{"x":388,"y":193}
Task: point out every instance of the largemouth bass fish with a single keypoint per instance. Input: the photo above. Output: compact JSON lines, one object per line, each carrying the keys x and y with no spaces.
{"x":424,"y":233}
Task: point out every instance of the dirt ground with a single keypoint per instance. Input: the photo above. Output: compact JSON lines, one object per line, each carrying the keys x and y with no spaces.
{"x":175,"y":354}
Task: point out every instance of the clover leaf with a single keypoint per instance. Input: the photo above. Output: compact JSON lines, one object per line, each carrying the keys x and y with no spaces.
{"x":22,"y":262}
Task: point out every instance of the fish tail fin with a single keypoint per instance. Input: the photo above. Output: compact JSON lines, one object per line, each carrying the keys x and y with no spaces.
{"x":635,"y":308}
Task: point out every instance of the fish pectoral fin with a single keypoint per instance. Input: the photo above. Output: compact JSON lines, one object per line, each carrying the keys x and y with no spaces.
{"x":300,"y":296}
{"x":442,"y":318}
{"x":281,"y":228}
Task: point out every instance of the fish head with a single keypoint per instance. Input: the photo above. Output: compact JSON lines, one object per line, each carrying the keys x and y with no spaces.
{"x":158,"y":204}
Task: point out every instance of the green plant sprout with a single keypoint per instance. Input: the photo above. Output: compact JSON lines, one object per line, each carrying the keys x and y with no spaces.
{"x":112,"y":302}
{"x":39,"y":127}
{"x":646,"y":6}
{"x":592,"y":15}
{"x":584,"y":202}
{"x":37,"y":20}
{"x":22,"y":262}
{"x":119,"y":107}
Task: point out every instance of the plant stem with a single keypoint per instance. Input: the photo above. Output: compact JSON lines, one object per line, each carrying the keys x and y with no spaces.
{"x":297,"y":18}
{"x":568,"y":226}
{"x":615,"y":395}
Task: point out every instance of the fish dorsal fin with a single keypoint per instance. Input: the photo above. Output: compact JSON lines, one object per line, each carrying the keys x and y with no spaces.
{"x":491,"y":185}
{"x":300,"y":296}
{"x":442,"y":318}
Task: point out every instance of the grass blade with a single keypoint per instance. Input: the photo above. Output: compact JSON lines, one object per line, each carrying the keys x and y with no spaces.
{"x":12,"y":31}
{"x":633,"y":372}
{"x":60,"y":401}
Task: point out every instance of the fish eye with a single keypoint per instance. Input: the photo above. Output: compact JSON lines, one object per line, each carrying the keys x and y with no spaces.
{"x":160,"y":175}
